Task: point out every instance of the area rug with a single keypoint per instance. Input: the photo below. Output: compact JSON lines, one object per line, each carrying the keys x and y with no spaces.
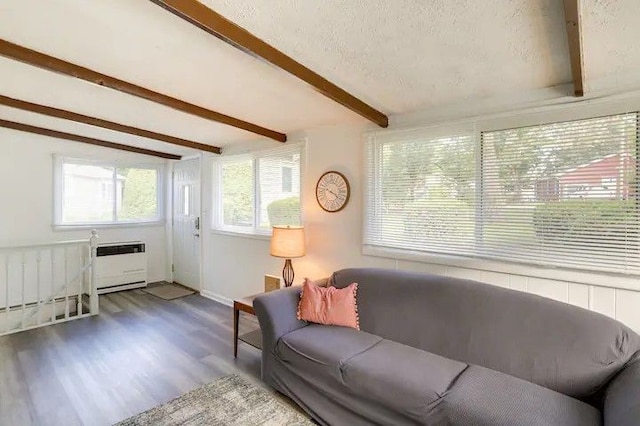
{"x":230,"y":400}
{"x":168,"y":291}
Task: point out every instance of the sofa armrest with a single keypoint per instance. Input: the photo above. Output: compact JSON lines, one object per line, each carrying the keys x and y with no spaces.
{"x":277,"y":315}
{"x":622,"y":397}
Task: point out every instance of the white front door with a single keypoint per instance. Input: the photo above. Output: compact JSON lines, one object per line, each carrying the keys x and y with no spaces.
{"x":186,"y":223}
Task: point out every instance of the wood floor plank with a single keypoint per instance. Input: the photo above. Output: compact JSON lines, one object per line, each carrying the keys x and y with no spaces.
{"x":51,"y":406}
{"x":15,"y":399}
{"x":141,"y":351}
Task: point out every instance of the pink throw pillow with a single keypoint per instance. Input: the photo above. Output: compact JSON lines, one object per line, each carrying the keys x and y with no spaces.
{"x":329,"y":305}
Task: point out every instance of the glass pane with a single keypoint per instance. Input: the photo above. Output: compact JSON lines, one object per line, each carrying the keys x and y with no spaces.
{"x":287,"y":179}
{"x":88,"y":193}
{"x":186,"y":200}
{"x":426,"y":198}
{"x":279,"y":190}
{"x":137,"y":194}
{"x":562,"y":193}
{"x":237,"y":193}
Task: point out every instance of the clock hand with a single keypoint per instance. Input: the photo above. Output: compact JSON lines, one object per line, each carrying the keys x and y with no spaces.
{"x":332,"y":192}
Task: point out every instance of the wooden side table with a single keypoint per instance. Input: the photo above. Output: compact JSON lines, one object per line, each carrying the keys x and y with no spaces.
{"x":253,"y":338}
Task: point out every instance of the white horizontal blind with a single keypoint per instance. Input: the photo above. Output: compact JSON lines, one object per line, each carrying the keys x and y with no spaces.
{"x":422,"y":194}
{"x":556,"y":195}
{"x":563,"y":194}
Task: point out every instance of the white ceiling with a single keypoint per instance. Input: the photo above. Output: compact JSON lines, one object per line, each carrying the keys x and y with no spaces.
{"x":399,"y":56}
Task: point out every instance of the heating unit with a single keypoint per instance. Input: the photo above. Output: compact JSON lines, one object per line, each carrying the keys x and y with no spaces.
{"x":121,"y":266}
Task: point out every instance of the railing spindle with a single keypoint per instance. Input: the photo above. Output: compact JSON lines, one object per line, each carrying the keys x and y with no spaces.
{"x":66,"y":283}
{"x":80,"y":285}
{"x":93,"y":298}
{"x":37,"y":306}
{"x":53,"y":285}
{"x":24,"y":306}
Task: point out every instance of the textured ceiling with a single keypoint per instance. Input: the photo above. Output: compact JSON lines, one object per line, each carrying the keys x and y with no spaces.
{"x":400,"y":56}
{"x":141,"y":43}
{"x":34,"y":85}
{"x":406,"y":55}
{"x":612,"y":42}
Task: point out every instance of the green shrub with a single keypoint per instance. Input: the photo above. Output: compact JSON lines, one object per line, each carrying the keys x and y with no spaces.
{"x":240,"y":214}
{"x":571,"y":220}
{"x":284,"y":212}
{"x":425,"y":221}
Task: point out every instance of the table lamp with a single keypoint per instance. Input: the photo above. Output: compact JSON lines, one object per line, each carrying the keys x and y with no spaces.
{"x":287,"y":242}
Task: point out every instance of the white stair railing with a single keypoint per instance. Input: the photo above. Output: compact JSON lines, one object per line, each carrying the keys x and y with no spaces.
{"x":45,"y":284}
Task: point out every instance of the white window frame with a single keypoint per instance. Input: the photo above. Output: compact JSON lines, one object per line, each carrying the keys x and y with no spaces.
{"x":58,"y":193}
{"x":217,"y":224}
{"x":540,"y":116}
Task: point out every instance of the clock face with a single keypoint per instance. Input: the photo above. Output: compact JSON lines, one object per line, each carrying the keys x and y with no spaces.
{"x":332,"y":191}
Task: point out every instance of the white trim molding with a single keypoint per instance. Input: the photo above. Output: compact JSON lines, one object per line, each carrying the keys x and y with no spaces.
{"x":216,"y":298}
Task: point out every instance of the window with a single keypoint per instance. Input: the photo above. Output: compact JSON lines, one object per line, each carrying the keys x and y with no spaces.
{"x":186,"y":200}
{"x":93,"y":193}
{"x":555,"y":195}
{"x":108,"y":191}
{"x":254,"y":192}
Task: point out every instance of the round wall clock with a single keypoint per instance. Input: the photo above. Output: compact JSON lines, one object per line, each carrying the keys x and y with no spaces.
{"x":333,"y":191}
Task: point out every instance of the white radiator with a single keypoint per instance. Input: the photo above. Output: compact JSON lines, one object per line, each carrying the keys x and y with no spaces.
{"x":121,"y":266}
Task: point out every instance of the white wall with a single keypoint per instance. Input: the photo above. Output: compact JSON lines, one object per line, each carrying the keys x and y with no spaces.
{"x":26,"y":196}
{"x":234,"y":266}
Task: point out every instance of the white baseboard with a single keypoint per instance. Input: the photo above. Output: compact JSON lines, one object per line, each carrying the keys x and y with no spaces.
{"x":216,"y":297}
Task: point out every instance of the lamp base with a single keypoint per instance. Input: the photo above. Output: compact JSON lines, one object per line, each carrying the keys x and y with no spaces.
{"x":287,"y":273}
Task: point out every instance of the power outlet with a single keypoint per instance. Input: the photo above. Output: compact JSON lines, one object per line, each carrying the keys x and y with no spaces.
{"x":271,"y":282}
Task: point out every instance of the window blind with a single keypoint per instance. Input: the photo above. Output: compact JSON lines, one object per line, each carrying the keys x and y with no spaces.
{"x":422,"y":194}
{"x":556,"y":195}
{"x":563,"y":194}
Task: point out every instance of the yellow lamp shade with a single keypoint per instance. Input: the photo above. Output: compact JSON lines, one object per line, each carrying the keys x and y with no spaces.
{"x":287,"y":242}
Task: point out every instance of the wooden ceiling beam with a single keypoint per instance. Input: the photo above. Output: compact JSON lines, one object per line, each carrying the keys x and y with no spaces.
{"x":206,"y":19}
{"x":83,"y":139}
{"x":97,"y":122}
{"x":41,"y":60}
{"x":573,"y":19}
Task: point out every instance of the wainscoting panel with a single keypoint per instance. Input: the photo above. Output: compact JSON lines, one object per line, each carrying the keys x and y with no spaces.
{"x":579,"y":295}
{"x":603,"y":300}
{"x":556,"y":290}
{"x":496,"y":278}
{"x":465,"y":274}
{"x":628,"y":308}
{"x":429,"y":268}
{"x":623,"y":305}
{"x":518,"y":282}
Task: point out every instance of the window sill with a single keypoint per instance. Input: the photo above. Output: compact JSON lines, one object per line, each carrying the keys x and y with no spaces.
{"x":108,"y":226}
{"x":627,"y":282}
{"x":248,"y":235}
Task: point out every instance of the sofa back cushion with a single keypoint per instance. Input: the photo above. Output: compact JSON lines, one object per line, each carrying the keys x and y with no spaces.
{"x":553,"y":344}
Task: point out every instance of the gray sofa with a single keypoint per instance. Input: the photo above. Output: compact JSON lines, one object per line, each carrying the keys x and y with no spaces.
{"x":443,"y":351}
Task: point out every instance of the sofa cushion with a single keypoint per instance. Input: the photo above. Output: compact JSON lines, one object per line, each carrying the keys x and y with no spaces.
{"x":322,"y":349}
{"x":483,"y":397}
{"x":328,"y":305}
{"x":402,"y":378}
{"x":562,"y":347}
